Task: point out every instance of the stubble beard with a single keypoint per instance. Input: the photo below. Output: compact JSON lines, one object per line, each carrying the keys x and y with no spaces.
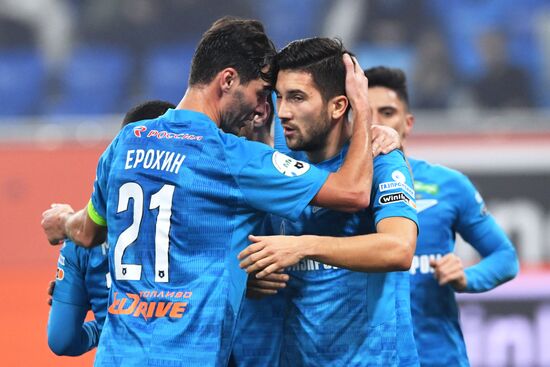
{"x":317,"y":135}
{"x":236,"y":117}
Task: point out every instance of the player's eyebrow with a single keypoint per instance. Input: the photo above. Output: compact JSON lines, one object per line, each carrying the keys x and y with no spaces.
{"x":295,"y":91}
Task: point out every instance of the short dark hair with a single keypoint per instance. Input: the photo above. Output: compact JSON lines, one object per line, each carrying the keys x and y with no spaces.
{"x":232,"y":42}
{"x":322,"y":58}
{"x":391,"y":78}
{"x":146,"y":111}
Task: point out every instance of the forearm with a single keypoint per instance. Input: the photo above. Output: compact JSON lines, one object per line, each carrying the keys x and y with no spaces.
{"x":349,"y":189}
{"x":82,"y":231}
{"x":66,"y":333}
{"x":491,"y":271}
{"x":356,"y":170}
{"x":378,"y":252}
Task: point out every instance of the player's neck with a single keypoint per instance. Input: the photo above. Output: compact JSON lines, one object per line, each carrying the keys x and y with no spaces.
{"x":198,"y":99}
{"x":337,"y":137}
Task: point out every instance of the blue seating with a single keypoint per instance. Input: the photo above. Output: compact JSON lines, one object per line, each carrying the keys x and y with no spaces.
{"x":288,"y":20}
{"x":370,"y":55}
{"x":166,"y":71}
{"x":22,"y":81}
{"x":94,"y":81}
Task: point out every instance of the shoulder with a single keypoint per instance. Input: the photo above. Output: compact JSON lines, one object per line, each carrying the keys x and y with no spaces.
{"x":442,"y":173}
{"x":395,"y":156}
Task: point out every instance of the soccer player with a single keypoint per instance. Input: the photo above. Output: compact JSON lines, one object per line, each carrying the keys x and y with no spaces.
{"x":82,"y":278}
{"x":178,"y":195}
{"x":447,"y":203}
{"x":347,"y":300}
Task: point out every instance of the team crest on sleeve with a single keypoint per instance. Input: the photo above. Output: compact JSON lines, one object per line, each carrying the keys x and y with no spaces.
{"x":399,"y":182}
{"x":289,"y":166}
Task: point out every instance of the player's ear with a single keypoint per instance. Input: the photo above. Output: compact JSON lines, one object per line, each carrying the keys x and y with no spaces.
{"x":338,"y":106}
{"x":409,"y":123}
{"x":228,"y":77}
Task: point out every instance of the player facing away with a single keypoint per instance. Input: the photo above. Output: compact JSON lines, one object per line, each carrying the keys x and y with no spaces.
{"x":447,"y":203}
{"x":178,"y":195}
{"x":83,"y":278}
{"x":347,"y":300}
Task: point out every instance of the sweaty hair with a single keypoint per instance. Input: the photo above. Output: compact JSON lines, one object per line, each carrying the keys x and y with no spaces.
{"x":391,"y":78}
{"x":231,"y":42}
{"x":320,"y":57}
{"x":146,"y":110}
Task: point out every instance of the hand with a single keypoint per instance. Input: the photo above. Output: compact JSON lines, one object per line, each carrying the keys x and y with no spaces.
{"x":267,"y":286}
{"x":53,"y":222}
{"x":270,"y":254}
{"x":357,"y":87}
{"x":51,"y":287}
{"x":449,"y":270}
{"x":384,"y":139}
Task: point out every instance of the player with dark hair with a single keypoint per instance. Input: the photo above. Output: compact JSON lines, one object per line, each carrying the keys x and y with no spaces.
{"x":344,"y":302}
{"x":146,"y":111}
{"x":447,"y":203}
{"x":177,"y":197}
{"x":82,"y":279}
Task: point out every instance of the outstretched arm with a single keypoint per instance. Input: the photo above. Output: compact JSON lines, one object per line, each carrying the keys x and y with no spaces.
{"x":391,"y":249}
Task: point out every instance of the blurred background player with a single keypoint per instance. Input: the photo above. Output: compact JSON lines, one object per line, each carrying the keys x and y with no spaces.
{"x":82,"y":278}
{"x":332,"y":316}
{"x":176,"y":285}
{"x":447,"y":204}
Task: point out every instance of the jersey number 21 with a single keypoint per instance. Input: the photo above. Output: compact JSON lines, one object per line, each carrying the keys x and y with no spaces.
{"x":162,"y":200}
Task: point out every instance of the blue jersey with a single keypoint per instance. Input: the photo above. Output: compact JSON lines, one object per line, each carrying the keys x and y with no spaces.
{"x":447,"y":203}
{"x":337,"y":317}
{"x":179,"y":198}
{"x":82,"y":278}
{"x":259,"y":331}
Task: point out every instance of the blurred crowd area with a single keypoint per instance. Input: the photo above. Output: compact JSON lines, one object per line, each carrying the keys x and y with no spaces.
{"x":88,"y":57}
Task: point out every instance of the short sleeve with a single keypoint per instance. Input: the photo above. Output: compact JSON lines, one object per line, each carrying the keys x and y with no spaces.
{"x":70,"y":285}
{"x":272,"y":181}
{"x":393,"y":194}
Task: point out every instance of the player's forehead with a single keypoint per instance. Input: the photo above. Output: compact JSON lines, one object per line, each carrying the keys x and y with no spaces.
{"x":380,"y":97}
{"x":295,"y":80}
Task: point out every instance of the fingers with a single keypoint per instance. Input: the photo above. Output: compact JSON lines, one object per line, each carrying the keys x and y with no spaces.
{"x":254,"y":247}
{"x":259,"y":288}
{"x":269,"y":270}
{"x":51,"y":287}
{"x":448,"y":269}
{"x":275,"y":277}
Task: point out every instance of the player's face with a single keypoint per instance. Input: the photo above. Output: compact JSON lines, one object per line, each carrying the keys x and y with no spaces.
{"x":258,"y":122}
{"x":389,"y":110}
{"x":246,"y":102}
{"x":302,"y":110}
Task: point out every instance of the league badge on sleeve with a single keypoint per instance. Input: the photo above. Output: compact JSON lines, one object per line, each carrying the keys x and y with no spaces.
{"x":289,"y":166}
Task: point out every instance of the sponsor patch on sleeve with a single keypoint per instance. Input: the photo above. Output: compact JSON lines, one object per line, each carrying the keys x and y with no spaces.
{"x":396,"y":197}
{"x":289,"y":166}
